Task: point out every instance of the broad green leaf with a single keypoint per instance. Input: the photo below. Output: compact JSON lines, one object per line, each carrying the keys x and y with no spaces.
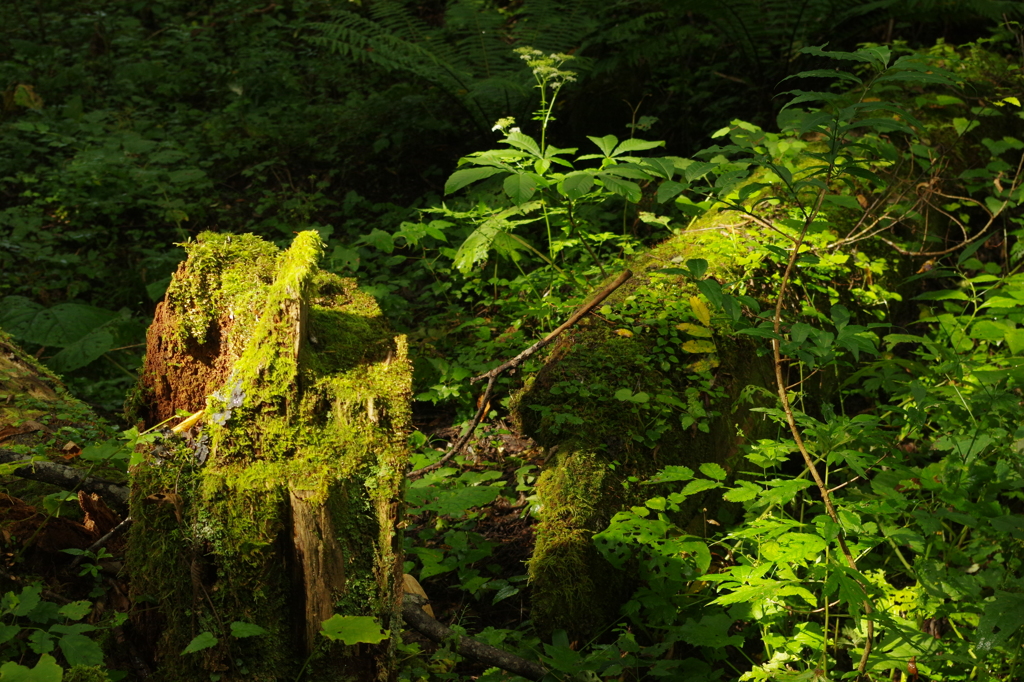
{"x":698,"y":170}
{"x":743,"y":492}
{"x":186,"y":175}
{"x":457,"y":501}
{"x":61,"y":325}
{"x":76,"y":610}
{"x":693,"y":487}
{"x":80,"y":650}
{"x":240,"y":630}
{"x":754,"y":593}
{"x":520,"y":187}
{"x":606,"y":144}
{"x":963,"y":126}
{"x":204,"y":640}
{"x":697,"y":267}
{"x":380,"y":240}
{"x":577,"y":184}
{"x":468,"y":176}
{"x":660,"y":167}
{"x":713,"y":470}
{"x":46,"y":670}
{"x":635,"y":145}
{"x":476,"y":246}
{"x":1002,"y":618}
{"x":672,"y":473}
{"x":669,"y":189}
{"x":627,"y":395}
{"x":712,"y":631}
{"x":628,"y":170}
{"x":354,"y":630}
{"x":793,"y":547}
{"x":82,"y":352}
{"x":943,"y":295}
{"x":626,"y":188}
{"x":17,"y":314}
{"x":524,"y":142}
{"x":26,"y":601}
{"x":40,"y":642}
{"x":8,"y":632}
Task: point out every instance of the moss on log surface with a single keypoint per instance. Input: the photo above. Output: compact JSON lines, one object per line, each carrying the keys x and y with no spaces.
{"x":647,"y":384}
{"x":282,"y":509}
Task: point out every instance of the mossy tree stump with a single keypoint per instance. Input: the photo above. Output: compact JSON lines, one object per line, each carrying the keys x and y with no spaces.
{"x":280,"y":508}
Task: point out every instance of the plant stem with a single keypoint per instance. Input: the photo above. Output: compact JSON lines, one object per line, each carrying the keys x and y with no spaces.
{"x":787,"y":407}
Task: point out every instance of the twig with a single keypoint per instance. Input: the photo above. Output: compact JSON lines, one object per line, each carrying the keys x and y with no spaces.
{"x":416,"y":618}
{"x":512,"y":364}
{"x":103,"y":540}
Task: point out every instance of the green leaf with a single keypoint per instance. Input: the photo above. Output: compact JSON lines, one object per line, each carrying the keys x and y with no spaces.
{"x":353,"y":630}
{"x":669,"y":189}
{"x":635,"y":145}
{"x":660,"y":167}
{"x":626,"y":395}
{"x":713,"y":470}
{"x":456,"y":501}
{"x":80,"y":650}
{"x":744,"y":492}
{"x":698,"y":169}
{"x":40,"y":642}
{"x":628,"y":170}
{"x":671,"y":474}
{"x":693,"y":487}
{"x":76,"y":610}
{"x":59,"y":326}
{"x":577,"y":184}
{"x":606,"y":144}
{"x":82,"y":352}
{"x":697,"y":267}
{"x":468,"y":176}
{"x":241,"y":630}
{"x":46,"y":670}
{"x":626,"y":188}
{"x":520,"y":187}
{"x":204,"y":640}
{"x":712,"y":631}
{"x":943,"y":295}
{"x":8,"y":632}
{"x":962,"y":126}
{"x":192,"y":175}
{"x":1003,"y":616}
{"x":524,"y":142}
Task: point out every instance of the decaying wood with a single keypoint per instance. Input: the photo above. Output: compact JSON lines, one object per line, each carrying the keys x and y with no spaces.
{"x":67,"y":478}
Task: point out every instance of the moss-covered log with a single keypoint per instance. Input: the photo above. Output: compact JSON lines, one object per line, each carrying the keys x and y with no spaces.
{"x":41,"y":421}
{"x":280,"y":508}
{"x":650,"y":382}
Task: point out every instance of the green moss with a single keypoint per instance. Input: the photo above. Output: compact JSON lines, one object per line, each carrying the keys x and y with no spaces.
{"x":618,"y":402}
{"x":223,"y":274}
{"x":83,"y":673}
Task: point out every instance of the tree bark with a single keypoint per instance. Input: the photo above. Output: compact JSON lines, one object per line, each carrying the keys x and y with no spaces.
{"x":280,"y":508}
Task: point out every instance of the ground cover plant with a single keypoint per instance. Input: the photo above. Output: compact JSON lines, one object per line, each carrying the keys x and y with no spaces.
{"x":874,"y":530}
